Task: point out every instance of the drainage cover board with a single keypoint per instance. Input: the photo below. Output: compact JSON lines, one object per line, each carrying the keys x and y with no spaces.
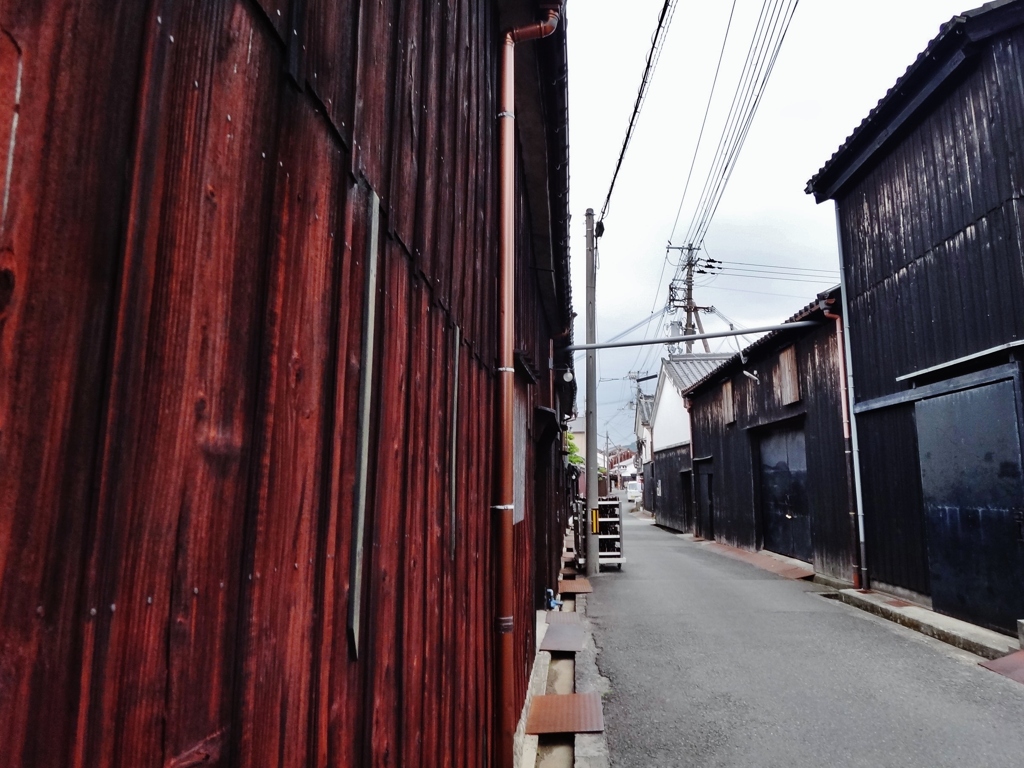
{"x":566,"y":713}
{"x":1011,"y":666}
{"x":563,"y":617}
{"x":564,"y":638}
{"x":574,"y":586}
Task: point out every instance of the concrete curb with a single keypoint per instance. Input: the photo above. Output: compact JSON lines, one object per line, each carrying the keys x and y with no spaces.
{"x":968,"y":637}
{"x":524,"y":747}
{"x":591,"y":749}
{"x":960,"y":634}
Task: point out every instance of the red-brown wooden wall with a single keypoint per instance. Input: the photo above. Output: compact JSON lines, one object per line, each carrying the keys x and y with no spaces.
{"x":183,"y":247}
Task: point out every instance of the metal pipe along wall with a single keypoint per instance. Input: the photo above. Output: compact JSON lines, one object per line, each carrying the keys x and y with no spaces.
{"x":507,"y":709}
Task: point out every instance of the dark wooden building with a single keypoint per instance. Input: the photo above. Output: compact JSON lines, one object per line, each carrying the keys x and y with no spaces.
{"x":672,"y":492}
{"x":770,"y":465}
{"x":672,"y":496}
{"x":248,"y":377}
{"x":928,"y":193}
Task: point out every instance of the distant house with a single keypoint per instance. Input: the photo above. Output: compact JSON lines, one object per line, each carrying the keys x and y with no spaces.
{"x":577,"y":427}
{"x":642,"y":427}
{"x":928,"y":192}
{"x":666,"y":490}
{"x":644,"y":441}
{"x":769,"y":457}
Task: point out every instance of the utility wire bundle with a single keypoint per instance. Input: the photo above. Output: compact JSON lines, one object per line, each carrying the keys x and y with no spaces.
{"x":657,"y":44}
{"x":709,"y":266}
{"x":762,"y":54}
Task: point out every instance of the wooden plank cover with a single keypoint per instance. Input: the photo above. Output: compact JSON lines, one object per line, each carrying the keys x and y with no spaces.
{"x":575,"y":586}
{"x":564,"y":638}
{"x":566,"y":713}
{"x":563,"y":617}
{"x":1011,"y":666}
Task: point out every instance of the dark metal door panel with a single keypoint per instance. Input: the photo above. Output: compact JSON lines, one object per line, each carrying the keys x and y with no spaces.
{"x":784,"y":514}
{"x":686,"y":500}
{"x":969,"y":447}
{"x":705,"y":501}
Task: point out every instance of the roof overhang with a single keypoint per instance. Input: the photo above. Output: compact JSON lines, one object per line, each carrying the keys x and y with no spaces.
{"x":948,"y":57}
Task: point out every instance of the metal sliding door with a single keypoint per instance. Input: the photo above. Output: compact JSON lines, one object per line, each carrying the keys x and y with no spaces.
{"x":971,"y":478}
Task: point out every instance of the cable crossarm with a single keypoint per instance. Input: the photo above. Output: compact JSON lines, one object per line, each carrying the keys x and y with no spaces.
{"x":657,"y":44}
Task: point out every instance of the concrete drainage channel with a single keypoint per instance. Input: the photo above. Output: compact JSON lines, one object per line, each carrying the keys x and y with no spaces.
{"x":567,"y":673}
{"x":560,"y":674}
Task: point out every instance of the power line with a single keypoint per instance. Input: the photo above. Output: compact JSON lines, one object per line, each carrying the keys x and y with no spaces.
{"x":762,"y":53}
{"x":815,"y":281}
{"x":770,"y":272}
{"x":780,"y":267}
{"x":757,"y":293}
{"x":632,"y":328}
{"x":761,"y":57}
{"x":657,"y":43}
{"x":732,"y":118}
{"x":703,"y":123}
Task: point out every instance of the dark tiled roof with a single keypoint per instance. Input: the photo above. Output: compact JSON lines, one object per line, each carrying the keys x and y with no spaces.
{"x":939,"y":60}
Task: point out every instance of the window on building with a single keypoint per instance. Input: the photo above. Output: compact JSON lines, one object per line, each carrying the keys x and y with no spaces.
{"x":788,"y":383}
{"x":728,"y":409}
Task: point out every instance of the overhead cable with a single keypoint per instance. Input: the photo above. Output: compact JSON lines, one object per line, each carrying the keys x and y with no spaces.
{"x":761,"y":57}
{"x":738,"y":110}
{"x":707,"y":109}
{"x":657,"y":43}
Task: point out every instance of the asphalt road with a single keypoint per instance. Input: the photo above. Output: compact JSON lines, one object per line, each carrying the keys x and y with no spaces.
{"x":713,"y":662}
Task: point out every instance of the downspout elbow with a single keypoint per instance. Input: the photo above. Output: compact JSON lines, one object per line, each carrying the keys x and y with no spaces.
{"x":536,"y":30}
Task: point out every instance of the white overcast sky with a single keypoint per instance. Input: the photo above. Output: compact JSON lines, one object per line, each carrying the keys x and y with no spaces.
{"x":838,"y":59}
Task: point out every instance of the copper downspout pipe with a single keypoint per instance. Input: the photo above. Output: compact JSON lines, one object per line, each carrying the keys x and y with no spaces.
{"x":847,"y":445}
{"x":503,"y":508}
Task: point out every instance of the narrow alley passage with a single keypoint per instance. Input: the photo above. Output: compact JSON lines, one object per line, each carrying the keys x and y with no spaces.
{"x":713,"y":662}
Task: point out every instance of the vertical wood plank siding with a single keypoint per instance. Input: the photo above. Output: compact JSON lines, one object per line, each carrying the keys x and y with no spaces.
{"x":758,"y":406}
{"x":650,"y":479}
{"x":670,"y":508}
{"x":183,"y":248}
{"x":933,"y":232}
{"x":932,"y":235}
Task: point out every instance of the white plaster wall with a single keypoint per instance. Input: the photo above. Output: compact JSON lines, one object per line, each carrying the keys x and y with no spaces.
{"x":647,"y":453}
{"x":671,"y":421}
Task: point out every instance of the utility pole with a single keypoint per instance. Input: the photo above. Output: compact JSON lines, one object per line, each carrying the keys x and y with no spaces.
{"x":689,"y":263}
{"x":591,"y":404}
{"x":607,"y":461}
{"x":689,"y":329}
